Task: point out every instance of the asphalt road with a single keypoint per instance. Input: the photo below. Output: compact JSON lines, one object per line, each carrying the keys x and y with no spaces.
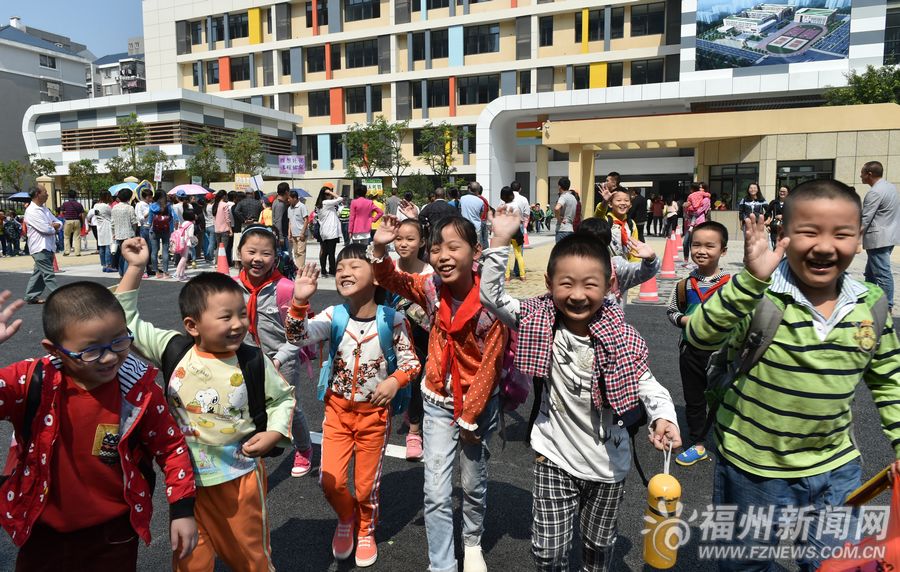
{"x":302,"y":521}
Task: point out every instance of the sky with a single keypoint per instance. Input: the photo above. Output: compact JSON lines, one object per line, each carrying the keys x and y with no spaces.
{"x":104,"y":26}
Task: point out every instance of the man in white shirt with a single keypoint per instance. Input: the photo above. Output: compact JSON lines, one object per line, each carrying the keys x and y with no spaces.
{"x":565,"y":210}
{"x":42,"y":229}
{"x":142,"y":212}
{"x":298,"y":220}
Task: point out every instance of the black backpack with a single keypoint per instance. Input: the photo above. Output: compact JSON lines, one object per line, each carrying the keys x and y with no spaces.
{"x":253,"y":366}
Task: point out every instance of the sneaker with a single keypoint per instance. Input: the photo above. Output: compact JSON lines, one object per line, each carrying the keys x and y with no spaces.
{"x":194,"y":265}
{"x":413,"y":447}
{"x":302,"y":463}
{"x":691,"y":455}
{"x":366,"y":551}
{"x":145,"y":276}
{"x":342,"y":541}
{"x":473,"y":560}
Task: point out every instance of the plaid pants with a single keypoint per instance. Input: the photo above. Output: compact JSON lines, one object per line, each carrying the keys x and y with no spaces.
{"x":558,"y":497}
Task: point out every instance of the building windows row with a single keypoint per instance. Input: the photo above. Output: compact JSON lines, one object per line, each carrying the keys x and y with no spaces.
{"x":240,"y":68}
{"x":315,"y":58}
{"x":482,"y":39}
{"x":892,"y":37}
{"x":355,"y":10}
{"x":438,"y":93}
{"x":238,"y":25}
{"x":545,"y":31}
{"x":322,"y":12}
{"x":361,"y":54}
{"x":478,"y":89}
{"x":647,"y":71}
{"x":356,"y":99}
{"x":648,"y":19}
{"x":47,"y":61}
{"x":197,"y":32}
{"x":597,"y":25}
{"x":440,"y":45}
{"x":212,"y":72}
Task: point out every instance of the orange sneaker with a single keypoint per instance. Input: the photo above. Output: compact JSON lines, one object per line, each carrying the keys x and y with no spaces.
{"x":342,"y":541}
{"x":366,"y":551}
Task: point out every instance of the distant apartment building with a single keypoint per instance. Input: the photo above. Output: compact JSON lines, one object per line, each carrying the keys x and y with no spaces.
{"x":118,"y":74}
{"x":37,"y":67}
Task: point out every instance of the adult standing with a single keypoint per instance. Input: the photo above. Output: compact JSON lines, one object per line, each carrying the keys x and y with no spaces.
{"x":124,"y":224}
{"x":210,"y":229}
{"x":221,"y":211}
{"x":363,"y":212}
{"x":753,"y":203}
{"x":73,"y":214}
{"x":41,"y":238}
{"x":327,"y":204}
{"x":776,"y":207}
{"x":638,"y":212}
{"x":162,"y":223}
{"x":298,"y":221}
{"x":880,"y":226}
{"x":472,"y":208}
{"x":392,"y":203}
{"x":671,"y":216}
{"x":142,"y":212}
{"x":102,"y":219}
{"x":695,"y":210}
{"x":435,"y":211}
{"x":476,"y":190}
{"x":564,"y":211}
{"x":522,"y":204}
{"x":657,"y":206}
{"x":280,"y":215}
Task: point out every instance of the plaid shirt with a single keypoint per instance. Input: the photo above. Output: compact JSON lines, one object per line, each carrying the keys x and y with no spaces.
{"x":620,"y":353}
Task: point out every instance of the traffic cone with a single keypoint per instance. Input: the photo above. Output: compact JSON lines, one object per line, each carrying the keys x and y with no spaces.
{"x":667,"y":272}
{"x":649,"y":293}
{"x":679,"y":246}
{"x":55,"y":264}
{"x":222,"y":260}
{"x":525,"y":243}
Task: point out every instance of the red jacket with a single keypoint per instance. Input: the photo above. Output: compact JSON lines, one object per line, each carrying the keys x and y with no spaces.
{"x":147,"y":428}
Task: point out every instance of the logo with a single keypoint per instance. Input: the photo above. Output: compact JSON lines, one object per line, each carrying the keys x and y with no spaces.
{"x":865,"y":335}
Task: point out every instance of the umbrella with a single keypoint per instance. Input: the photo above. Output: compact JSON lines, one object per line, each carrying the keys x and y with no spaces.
{"x":20,"y":197}
{"x":189,"y":189}
{"x":301,"y":193}
{"x":113,"y":190}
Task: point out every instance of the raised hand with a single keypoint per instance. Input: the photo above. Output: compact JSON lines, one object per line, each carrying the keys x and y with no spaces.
{"x":604,"y":191}
{"x":387,"y":232}
{"x":135,"y":252}
{"x":8,"y":328}
{"x":306,"y":283}
{"x":758,"y":259}
{"x":408,"y":209}
{"x":507,"y":223}
{"x":640,"y":249}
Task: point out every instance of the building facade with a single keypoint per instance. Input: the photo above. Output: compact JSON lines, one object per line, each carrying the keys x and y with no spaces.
{"x":116,"y":74}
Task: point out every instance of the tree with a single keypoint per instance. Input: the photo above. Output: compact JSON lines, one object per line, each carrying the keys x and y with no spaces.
{"x":875,"y":85}
{"x":14,"y":174}
{"x":82,"y":174}
{"x":134,"y":132}
{"x":439,"y":144}
{"x":42,"y":167}
{"x":368,"y":148}
{"x":118,"y":168}
{"x":204,"y":163}
{"x":147,"y":160}
{"x":419,"y":185}
{"x":398,"y":162}
{"x":244,"y":153}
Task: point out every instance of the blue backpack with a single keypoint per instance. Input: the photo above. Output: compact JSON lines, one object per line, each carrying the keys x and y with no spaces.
{"x":384,"y":321}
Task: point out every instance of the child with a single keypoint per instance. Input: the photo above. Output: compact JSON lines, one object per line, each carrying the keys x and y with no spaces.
{"x":357,"y":403}
{"x":709,"y":241}
{"x":265,"y":217}
{"x":408,"y":243}
{"x":595,"y":367}
{"x":184,"y":243}
{"x":784,"y":428}
{"x":268,"y":295}
{"x":78,"y":489}
{"x":229,"y":402}
{"x":465,"y":357}
{"x":615,"y":209}
{"x":696,"y":208}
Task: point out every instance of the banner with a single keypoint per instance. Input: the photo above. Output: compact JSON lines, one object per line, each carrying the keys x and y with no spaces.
{"x":292,"y":164}
{"x":373,"y":186}
{"x":242,"y":181}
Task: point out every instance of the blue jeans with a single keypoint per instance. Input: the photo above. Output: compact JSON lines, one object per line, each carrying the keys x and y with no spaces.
{"x":484,"y":235}
{"x":441,"y":437}
{"x":561,"y":234}
{"x":732,"y":486}
{"x":210,"y":249}
{"x":105,"y":257}
{"x":878,"y":270}
{"x":155,"y":239}
{"x":119,"y":260}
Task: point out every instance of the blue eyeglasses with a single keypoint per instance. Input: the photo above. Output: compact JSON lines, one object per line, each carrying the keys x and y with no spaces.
{"x":94,"y":353}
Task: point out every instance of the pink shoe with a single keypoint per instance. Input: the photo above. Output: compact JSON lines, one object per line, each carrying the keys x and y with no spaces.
{"x":342,"y":541}
{"x":302,"y":463}
{"x":366,"y":551}
{"x":413,"y":447}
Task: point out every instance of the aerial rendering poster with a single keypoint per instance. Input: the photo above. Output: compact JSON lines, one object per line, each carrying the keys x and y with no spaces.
{"x":742,"y":33}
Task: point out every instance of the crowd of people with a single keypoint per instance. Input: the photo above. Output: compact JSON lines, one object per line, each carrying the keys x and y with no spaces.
{"x":431,"y":331}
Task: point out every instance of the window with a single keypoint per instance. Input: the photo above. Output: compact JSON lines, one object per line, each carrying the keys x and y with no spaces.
{"x":595,"y":26}
{"x":319,"y":104}
{"x":892,"y":38}
{"x":196,"y":32}
{"x":792,"y":173}
{"x":581,"y":77}
{"x":238,"y":25}
{"x":268,"y":21}
{"x":48,"y":62}
{"x":545,"y":28}
{"x":617,"y":26}
{"x":323,"y":12}
{"x":240,"y":69}
{"x":50,"y":90}
{"x":337,"y":147}
{"x":285,"y":62}
{"x":336,"y":56}
{"x":482,"y":39}
{"x":614,"y":74}
{"x":315,"y":59}
{"x":418,"y":47}
{"x":212,"y":72}
{"x":376,"y":98}
{"x":439,"y":44}
{"x":361,"y":54}
{"x":647,"y":71}
{"x":218,"y":29}
{"x":195,"y":68}
{"x":356,"y":100}
{"x":524,"y":82}
{"x":417,"y":142}
{"x":312,"y":148}
{"x":462,"y":135}
{"x":478,"y":89}
{"x":438,"y":93}
{"x":355,"y":10}
{"x":648,"y":19}
{"x":431,"y":4}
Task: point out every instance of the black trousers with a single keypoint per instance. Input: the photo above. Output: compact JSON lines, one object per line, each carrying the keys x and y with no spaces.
{"x":692,"y":364}
{"x":327,"y":255}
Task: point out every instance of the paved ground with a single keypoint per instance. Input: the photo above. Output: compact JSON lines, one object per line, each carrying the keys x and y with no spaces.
{"x":302,"y":522}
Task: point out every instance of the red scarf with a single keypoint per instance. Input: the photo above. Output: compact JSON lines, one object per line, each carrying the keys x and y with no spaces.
{"x":452,"y":325}
{"x":704,"y":296}
{"x":275,"y":276}
{"x":623,"y":228}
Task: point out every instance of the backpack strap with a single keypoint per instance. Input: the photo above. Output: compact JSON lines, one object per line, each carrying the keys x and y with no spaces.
{"x":384,"y":320}
{"x":681,"y":295}
{"x":284,"y":294}
{"x":35,"y":381}
{"x":340,"y":317}
{"x":253,"y":367}
{"x":175,"y":350}
{"x":880,"y":311}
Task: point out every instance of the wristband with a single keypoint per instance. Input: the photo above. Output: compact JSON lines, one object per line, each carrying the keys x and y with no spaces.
{"x":370,"y":254}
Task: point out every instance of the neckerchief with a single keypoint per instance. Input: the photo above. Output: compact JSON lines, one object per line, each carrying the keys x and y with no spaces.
{"x":275,"y":276}
{"x":704,"y":296}
{"x":452,"y":325}
{"x":623,"y":228}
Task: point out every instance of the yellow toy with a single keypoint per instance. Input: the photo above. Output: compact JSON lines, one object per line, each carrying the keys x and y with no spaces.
{"x":663,"y":529}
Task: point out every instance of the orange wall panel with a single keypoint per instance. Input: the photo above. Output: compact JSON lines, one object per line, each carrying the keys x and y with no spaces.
{"x":337,"y":105}
{"x":224,"y":73}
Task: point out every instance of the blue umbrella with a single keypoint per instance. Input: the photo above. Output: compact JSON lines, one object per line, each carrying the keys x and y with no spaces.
{"x":116,"y":188}
{"x":20,"y":197}
{"x":302,"y":194}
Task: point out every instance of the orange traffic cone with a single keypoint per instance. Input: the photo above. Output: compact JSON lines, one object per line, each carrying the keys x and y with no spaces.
{"x":667,"y":272}
{"x":525,"y":241}
{"x":55,"y":264}
{"x":679,"y":245}
{"x":222,"y":260}
{"x":649,"y":293}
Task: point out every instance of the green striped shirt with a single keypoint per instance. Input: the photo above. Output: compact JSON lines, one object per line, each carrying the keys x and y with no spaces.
{"x":790,"y":415}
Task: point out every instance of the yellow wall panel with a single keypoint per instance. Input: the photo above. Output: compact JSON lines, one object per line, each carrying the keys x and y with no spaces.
{"x":598,"y":75}
{"x":585,"y":17}
{"x":255,"y":25}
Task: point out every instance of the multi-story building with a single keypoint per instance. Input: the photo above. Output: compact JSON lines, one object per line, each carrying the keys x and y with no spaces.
{"x":750,"y":25}
{"x":116,"y":74}
{"x":35,"y":67}
{"x":818,"y":16}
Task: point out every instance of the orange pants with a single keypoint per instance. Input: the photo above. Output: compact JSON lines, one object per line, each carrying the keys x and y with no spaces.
{"x":233,"y":525}
{"x":364,"y":429}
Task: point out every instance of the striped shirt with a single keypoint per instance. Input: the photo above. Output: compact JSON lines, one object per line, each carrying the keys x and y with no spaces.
{"x":790,"y":416}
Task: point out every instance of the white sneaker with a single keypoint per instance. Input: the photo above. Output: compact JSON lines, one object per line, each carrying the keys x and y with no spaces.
{"x":473,"y":560}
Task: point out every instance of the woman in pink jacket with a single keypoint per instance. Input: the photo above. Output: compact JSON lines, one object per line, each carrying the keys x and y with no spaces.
{"x":363,"y":212}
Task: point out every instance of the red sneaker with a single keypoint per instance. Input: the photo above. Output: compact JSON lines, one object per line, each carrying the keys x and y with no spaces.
{"x":366,"y":551}
{"x":413,"y":447}
{"x":342,"y":541}
{"x":302,"y":463}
